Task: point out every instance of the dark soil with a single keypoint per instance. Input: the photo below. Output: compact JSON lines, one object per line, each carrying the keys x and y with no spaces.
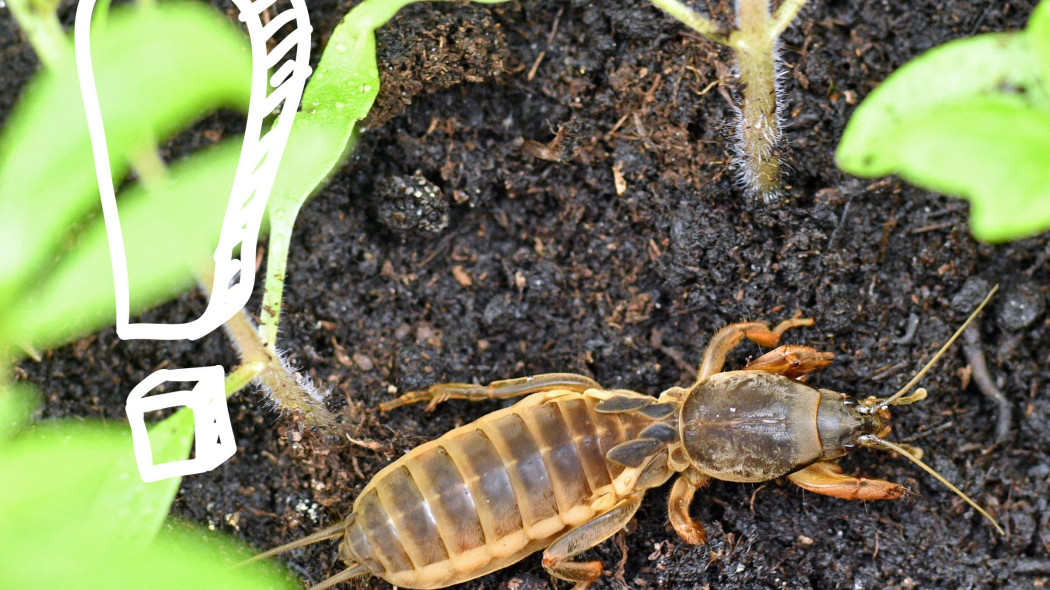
{"x":523,"y":116}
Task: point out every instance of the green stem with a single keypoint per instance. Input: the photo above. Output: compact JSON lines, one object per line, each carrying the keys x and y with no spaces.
{"x":785,"y":13}
{"x":43,"y":31}
{"x":240,"y":377}
{"x":148,"y":165}
{"x":759,"y":130}
{"x":693,"y":20}
{"x":262,"y":362}
{"x":276,"y":270}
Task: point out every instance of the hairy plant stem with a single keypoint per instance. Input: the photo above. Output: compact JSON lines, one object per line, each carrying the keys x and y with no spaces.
{"x":289,"y":390}
{"x":261,"y":362}
{"x":758,"y":131}
{"x":755,"y":44}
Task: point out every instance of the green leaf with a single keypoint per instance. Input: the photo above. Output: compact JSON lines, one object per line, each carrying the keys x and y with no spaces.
{"x":1038,"y":33}
{"x":156,"y":71}
{"x":339,"y":95}
{"x":168,"y":233}
{"x":52,"y":536}
{"x":993,"y":152}
{"x":130,"y":509}
{"x":957,"y":72}
{"x":92,"y":472}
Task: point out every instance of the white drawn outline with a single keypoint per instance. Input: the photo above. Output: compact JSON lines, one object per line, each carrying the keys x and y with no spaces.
{"x":213,"y":434}
{"x":234,"y":277}
{"x":260,"y":157}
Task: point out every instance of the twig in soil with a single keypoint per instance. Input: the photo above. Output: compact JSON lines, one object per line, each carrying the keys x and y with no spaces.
{"x":934,"y":430}
{"x":842,"y":220}
{"x":909,"y":331}
{"x":889,"y":371}
{"x":656,"y":340}
{"x":975,"y":357}
{"x":289,"y":390}
{"x":1032,"y":566}
{"x":371,"y":445}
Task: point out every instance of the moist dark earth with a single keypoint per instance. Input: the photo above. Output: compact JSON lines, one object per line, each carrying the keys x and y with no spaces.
{"x":522,"y":257}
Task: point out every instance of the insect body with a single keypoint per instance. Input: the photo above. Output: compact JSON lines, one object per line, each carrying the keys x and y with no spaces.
{"x":566,"y":468}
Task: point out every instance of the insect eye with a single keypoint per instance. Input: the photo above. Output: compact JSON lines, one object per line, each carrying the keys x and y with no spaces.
{"x":849,"y":402}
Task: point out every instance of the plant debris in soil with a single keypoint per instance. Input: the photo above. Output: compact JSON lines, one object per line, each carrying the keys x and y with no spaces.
{"x":580,"y":154}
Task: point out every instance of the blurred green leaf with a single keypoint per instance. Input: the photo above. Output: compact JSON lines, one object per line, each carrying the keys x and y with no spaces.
{"x":972,"y":119}
{"x":130,"y":509}
{"x":168,"y":233}
{"x":51,"y":529}
{"x":993,"y":152}
{"x":1039,"y":36}
{"x":957,"y":72}
{"x":156,"y":70}
{"x":91,"y":471}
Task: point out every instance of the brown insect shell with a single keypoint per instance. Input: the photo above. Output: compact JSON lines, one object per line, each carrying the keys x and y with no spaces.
{"x":750,"y":426}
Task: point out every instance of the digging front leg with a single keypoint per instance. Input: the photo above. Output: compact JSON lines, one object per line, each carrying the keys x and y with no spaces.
{"x":791,"y":361}
{"x":728,"y":337}
{"x":688,"y":528}
{"x":507,"y":388}
{"x":557,"y":558}
{"x":826,"y":478}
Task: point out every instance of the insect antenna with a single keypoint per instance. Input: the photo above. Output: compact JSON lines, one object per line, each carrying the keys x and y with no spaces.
{"x":870,"y":440}
{"x":333,"y":532}
{"x":353,"y":571}
{"x":895,"y":399}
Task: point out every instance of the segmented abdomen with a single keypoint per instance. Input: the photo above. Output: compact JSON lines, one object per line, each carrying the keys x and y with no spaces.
{"x":489,"y":493}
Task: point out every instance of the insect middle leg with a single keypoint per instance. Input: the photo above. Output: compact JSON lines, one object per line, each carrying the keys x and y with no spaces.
{"x":827,"y":478}
{"x":685,"y":487}
{"x":557,"y":558}
{"x":507,"y":388}
{"x":728,"y":337}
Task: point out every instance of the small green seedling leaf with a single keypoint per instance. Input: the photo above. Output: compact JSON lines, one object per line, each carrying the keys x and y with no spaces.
{"x":338,"y":96}
{"x":956,"y":72}
{"x":168,"y":232}
{"x":970,"y":118}
{"x":157,"y":70}
{"x":995,"y":154}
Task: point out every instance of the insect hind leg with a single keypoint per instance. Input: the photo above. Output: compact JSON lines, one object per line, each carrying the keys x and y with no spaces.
{"x":505,"y":389}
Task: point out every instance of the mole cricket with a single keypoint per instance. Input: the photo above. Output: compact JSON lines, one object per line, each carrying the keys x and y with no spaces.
{"x":565,"y":468}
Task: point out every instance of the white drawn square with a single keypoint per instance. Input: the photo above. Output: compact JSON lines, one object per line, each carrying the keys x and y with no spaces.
{"x":213,"y":434}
